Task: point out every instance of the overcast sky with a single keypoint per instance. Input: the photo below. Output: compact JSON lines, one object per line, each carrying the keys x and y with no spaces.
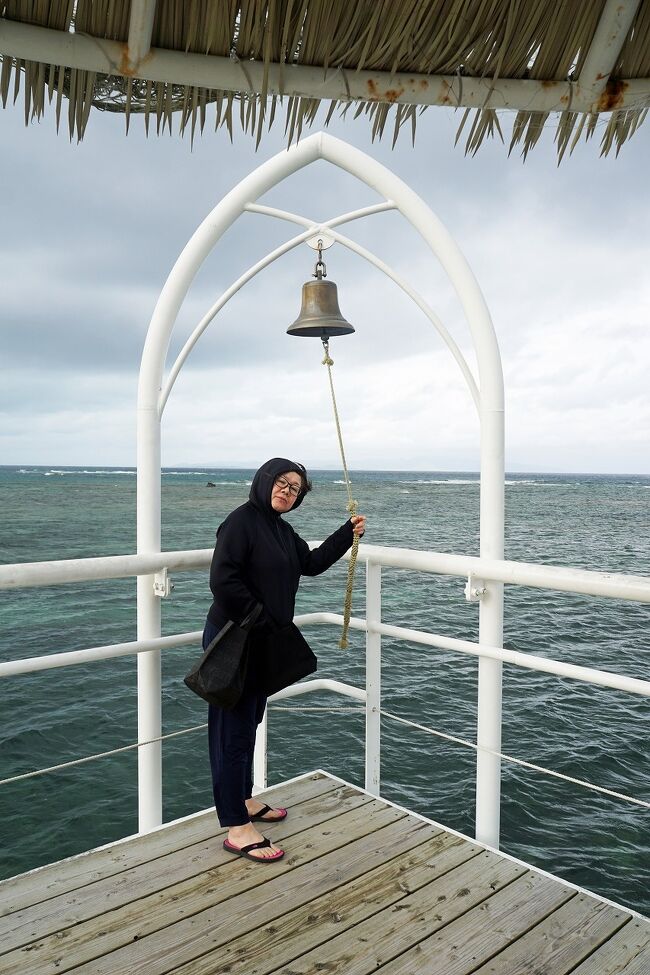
{"x":91,"y":231}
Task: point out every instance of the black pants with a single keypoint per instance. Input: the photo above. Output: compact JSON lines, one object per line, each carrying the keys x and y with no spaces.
{"x":231,"y":737}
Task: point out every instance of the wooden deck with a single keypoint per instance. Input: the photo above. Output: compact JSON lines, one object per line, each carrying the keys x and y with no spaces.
{"x":363,"y":887}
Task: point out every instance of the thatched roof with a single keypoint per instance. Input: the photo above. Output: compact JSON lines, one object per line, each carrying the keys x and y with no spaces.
{"x":185,"y":63}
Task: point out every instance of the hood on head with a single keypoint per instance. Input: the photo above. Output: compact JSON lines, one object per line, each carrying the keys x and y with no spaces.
{"x":260,"y":492}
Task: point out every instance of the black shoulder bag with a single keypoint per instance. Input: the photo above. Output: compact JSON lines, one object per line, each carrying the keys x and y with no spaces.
{"x":220,"y":674}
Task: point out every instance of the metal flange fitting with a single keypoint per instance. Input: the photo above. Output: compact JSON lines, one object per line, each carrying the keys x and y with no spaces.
{"x":162,"y":584}
{"x":475,"y":589}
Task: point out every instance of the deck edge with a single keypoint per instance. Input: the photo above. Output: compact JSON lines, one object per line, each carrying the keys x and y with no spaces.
{"x":492,"y":849}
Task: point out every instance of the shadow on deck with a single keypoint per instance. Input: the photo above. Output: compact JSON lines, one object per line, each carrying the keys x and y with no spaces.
{"x":363,"y":887}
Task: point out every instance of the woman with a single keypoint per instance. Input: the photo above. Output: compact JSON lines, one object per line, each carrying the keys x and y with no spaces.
{"x":258,"y":558}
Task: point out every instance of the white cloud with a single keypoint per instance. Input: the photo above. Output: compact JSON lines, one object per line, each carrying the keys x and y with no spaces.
{"x":562,"y":264}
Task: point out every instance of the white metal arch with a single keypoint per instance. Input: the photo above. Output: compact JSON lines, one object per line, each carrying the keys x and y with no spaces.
{"x":491,"y":406}
{"x":313,"y":229}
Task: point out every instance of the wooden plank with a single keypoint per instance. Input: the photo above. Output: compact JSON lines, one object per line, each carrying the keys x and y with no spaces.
{"x":54,"y":879}
{"x":363,"y":887}
{"x":235,"y":897}
{"x":559,"y":943}
{"x":92,"y":900}
{"x":475,"y":937}
{"x":626,"y":953}
{"x":324,"y":917}
{"x":389,"y":933}
{"x":134,"y":921}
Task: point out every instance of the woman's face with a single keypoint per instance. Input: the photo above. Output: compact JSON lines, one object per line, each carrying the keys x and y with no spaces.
{"x":286,"y":489}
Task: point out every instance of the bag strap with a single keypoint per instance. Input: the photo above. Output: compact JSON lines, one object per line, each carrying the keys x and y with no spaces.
{"x":249,"y":621}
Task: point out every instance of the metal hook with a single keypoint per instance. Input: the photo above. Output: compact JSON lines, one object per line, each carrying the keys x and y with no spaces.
{"x":320,"y":271}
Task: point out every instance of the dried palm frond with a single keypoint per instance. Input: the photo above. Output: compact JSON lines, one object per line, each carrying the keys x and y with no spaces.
{"x":484,"y":39}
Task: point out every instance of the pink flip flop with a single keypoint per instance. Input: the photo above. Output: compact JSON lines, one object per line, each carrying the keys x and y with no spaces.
{"x":267,"y":809}
{"x":245,"y":851}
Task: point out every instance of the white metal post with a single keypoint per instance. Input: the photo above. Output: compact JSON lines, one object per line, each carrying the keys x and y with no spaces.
{"x":259,"y":757}
{"x":373,"y":678}
{"x":150,"y":410}
{"x":488,"y":772}
{"x":488,"y":732}
{"x":149,"y":666}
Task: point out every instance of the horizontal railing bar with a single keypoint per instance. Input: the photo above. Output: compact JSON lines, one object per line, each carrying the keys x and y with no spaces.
{"x":603,"y":678}
{"x":615,"y":585}
{"x":586,"y":582}
{"x":318,"y":709}
{"x":21,"y":575}
{"x":336,"y":619}
{"x":320,"y":684}
{"x":31,"y":665}
{"x":69,"y":658}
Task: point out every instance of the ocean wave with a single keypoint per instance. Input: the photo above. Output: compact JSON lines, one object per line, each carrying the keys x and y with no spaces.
{"x":468,"y":480}
{"x":443,"y":480}
{"x":112,"y":472}
{"x":61,"y":473}
{"x":216,"y":480}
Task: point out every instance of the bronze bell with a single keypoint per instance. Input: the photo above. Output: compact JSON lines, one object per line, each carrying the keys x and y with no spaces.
{"x":320,"y":315}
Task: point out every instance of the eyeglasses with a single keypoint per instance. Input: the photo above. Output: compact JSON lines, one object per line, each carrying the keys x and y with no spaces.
{"x":285,"y":485}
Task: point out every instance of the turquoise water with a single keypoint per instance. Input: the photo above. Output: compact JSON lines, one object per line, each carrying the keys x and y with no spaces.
{"x":595,"y":522}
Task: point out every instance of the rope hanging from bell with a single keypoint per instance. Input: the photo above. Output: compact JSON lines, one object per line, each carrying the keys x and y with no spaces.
{"x":352,"y":505}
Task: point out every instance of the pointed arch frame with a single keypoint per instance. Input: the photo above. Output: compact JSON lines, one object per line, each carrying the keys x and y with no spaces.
{"x":152,"y":395}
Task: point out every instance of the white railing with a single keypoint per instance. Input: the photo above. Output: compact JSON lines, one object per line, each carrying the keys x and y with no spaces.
{"x":477,"y":571}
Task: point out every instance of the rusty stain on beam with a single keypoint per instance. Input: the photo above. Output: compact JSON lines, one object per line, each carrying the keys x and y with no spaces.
{"x":613,"y":96}
{"x":127,"y":67}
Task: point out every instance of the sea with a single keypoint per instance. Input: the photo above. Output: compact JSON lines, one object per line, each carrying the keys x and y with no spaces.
{"x":602,"y":736}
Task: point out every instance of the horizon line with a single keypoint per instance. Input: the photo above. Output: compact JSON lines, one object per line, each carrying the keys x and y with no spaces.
{"x":359,"y":470}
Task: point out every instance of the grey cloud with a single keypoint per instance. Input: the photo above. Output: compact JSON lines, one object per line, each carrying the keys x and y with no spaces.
{"x":90,"y":233}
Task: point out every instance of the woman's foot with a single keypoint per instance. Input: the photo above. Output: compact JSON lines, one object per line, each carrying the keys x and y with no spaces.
{"x":241,"y":836}
{"x":263,"y":812}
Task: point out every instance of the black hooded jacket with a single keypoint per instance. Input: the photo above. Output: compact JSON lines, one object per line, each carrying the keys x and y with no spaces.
{"x":259,"y":558}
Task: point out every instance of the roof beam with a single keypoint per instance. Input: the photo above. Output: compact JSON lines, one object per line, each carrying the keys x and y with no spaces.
{"x":140,"y":31}
{"x":84,"y":52}
{"x":613,"y":27}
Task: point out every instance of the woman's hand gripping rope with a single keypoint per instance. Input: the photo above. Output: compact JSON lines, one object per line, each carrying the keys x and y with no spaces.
{"x":358,"y":528}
